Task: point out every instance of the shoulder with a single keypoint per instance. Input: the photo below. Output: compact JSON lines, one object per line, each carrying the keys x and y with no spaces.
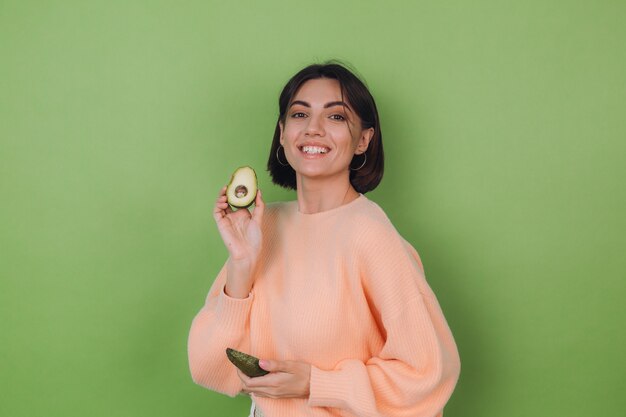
{"x":276,"y":212}
{"x":391,"y":269}
{"x":276,"y":208}
{"x":374,"y":213}
{"x":373,"y":223}
{"x":377,"y":233}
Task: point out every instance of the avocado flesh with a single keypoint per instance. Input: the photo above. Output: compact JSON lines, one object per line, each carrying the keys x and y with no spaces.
{"x":248,"y":364}
{"x":241,"y":190}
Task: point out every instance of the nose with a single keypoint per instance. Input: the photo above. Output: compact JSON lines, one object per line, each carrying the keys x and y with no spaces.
{"x":314,"y":126}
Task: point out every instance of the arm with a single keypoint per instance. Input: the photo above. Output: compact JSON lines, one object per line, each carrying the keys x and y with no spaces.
{"x":416,"y":371}
{"x":222,"y":322}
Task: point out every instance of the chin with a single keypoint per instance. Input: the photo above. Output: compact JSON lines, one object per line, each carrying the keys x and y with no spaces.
{"x":310,"y":173}
{"x":314,"y":172}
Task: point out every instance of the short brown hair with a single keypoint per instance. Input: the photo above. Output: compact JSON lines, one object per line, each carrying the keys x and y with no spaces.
{"x":358,"y":96}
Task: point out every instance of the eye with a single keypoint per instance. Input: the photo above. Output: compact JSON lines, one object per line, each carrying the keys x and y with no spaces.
{"x":338,"y":117}
{"x":298,"y":115}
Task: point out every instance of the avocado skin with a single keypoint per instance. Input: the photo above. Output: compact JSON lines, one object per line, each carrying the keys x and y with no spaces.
{"x":248,"y":364}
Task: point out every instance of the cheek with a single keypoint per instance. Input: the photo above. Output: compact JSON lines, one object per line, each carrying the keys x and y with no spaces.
{"x":347,"y":140}
{"x":290,"y":131}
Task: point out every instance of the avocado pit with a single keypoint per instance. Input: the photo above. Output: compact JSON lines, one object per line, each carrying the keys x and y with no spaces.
{"x":241,"y":191}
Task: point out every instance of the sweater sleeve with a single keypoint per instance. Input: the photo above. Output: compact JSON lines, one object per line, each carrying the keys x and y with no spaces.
{"x":222,"y":322}
{"x":418,"y":366}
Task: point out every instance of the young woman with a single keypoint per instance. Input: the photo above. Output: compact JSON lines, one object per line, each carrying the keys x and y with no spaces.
{"x":323,"y":289}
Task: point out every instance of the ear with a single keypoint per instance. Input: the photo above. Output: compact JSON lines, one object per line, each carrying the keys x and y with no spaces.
{"x":364,"y":140}
{"x":280,"y":126}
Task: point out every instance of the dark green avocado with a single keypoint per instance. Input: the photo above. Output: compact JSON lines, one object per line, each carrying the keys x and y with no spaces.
{"x":248,"y":364}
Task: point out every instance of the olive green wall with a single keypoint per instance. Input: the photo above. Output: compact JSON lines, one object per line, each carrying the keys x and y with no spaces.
{"x":504,"y":133}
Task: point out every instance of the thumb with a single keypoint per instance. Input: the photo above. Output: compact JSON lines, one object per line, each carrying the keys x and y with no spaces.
{"x":274,"y":366}
{"x":259,"y":207}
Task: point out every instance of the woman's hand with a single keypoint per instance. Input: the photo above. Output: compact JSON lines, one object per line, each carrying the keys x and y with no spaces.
{"x":241,"y":232}
{"x":287,"y":379}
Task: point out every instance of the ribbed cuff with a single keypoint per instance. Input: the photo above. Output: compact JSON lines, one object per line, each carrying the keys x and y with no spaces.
{"x":327,"y":388}
{"x":231,"y":312}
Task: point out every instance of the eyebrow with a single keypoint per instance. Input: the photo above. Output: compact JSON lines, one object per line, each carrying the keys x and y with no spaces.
{"x":327,"y":105}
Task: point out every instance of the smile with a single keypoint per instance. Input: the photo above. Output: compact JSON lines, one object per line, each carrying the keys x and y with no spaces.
{"x":314,"y":150}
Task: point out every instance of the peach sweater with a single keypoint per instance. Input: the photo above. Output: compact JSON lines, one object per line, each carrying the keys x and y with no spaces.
{"x":343,"y":291}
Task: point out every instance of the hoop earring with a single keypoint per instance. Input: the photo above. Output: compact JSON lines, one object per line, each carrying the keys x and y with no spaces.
{"x":278,"y":157}
{"x":362,"y":165}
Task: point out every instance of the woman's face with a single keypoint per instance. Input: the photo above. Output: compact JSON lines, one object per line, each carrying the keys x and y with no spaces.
{"x":315,"y":135}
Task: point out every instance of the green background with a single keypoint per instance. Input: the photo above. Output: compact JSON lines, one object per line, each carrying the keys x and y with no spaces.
{"x":504,"y":131}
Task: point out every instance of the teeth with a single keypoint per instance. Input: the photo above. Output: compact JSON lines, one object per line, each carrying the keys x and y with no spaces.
{"x":314,"y":149}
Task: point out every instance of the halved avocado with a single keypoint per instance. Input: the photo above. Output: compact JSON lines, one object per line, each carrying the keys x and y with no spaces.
{"x":241,"y":190}
{"x":248,"y":364}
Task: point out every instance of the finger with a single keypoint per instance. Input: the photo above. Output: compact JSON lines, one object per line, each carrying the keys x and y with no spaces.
{"x":224,"y":206}
{"x":259,"y":208}
{"x":221,"y":201}
{"x":222,"y":209}
{"x":219,"y":204}
{"x":275,"y":366}
{"x":258,"y":386}
{"x":266,"y":382}
{"x":244,"y":378}
{"x":220,"y":215}
{"x":218,"y":212}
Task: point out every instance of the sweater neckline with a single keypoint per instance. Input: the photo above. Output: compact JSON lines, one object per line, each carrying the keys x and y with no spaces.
{"x":326,"y":213}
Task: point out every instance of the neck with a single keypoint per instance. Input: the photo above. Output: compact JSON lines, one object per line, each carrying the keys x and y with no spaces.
{"x":317,"y":195}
